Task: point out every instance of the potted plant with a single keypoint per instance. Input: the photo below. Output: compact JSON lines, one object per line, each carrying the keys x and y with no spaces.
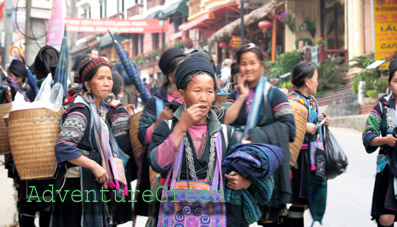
{"x":288,"y":19}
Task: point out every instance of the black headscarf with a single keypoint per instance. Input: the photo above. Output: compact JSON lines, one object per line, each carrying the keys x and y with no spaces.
{"x":191,"y":65}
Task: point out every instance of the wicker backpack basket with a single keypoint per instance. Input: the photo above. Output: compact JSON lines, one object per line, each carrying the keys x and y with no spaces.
{"x":33,"y":134}
{"x":4,"y":141}
{"x":300,"y":115}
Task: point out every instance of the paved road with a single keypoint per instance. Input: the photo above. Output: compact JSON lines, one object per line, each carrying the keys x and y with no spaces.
{"x":349,"y":195}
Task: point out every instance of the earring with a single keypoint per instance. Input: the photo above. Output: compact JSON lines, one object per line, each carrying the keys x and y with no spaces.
{"x":109,"y":99}
{"x":89,"y":98}
{"x":216,"y":118}
{"x":184,"y":106}
{"x":220,"y":112}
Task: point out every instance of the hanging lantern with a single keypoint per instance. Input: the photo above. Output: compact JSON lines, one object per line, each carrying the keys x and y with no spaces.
{"x":223,"y":45}
{"x":264,"y":24}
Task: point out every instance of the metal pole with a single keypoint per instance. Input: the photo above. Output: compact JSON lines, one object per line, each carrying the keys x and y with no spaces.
{"x":163,"y":40}
{"x":35,"y":28}
{"x":8,"y":11}
{"x":242,"y":21}
{"x":373,"y":27}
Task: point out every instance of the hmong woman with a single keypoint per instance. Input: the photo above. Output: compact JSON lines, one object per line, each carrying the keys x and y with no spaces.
{"x":88,"y":154}
{"x":195,"y":131}
{"x":261,"y":114}
{"x":304,"y":80}
{"x":380,"y":132}
{"x":160,"y":107}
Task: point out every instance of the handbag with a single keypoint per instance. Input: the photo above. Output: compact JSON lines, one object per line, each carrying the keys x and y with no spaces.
{"x":336,"y":159}
{"x":193,"y":206}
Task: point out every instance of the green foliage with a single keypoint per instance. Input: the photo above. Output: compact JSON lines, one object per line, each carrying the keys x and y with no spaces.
{"x":308,"y":26}
{"x":330,"y":74}
{"x":287,"y":85}
{"x":363,"y":61}
{"x":284,"y":64}
{"x":371,"y":93}
{"x":179,"y":44}
{"x":373,"y":84}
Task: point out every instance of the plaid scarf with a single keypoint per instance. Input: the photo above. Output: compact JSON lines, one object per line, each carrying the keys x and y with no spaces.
{"x":259,"y":193}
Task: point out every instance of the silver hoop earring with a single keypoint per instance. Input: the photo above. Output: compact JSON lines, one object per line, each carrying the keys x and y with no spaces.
{"x":213,"y":119}
{"x":109,"y":99}
{"x":220,"y":112}
{"x":89,"y":98}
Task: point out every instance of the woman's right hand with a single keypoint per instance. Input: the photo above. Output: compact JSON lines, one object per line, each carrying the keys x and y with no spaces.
{"x":101,"y":176}
{"x":192,"y":115}
{"x":242,"y":86}
{"x":390,"y":140}
{"x":166,"y":114}
{"x":311,"y":128}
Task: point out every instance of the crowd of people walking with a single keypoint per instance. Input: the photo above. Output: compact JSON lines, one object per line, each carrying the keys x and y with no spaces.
{"x":223,"y":165}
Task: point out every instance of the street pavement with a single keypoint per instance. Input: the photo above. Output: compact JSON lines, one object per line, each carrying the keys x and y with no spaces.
{"x":349,"y":195}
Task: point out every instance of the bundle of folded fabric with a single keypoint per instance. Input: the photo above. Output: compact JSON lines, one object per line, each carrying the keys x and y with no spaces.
{"x":257,"y":162}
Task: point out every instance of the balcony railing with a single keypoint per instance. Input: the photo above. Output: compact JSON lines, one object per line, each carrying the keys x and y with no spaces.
{"x":134,"y":10}
{"x":153,"y":3}
{"x":117,"y":16}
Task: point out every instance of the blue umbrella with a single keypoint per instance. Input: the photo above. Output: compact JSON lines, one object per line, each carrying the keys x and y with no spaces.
{"x":61,"y":72}
{"x":132,"y":71}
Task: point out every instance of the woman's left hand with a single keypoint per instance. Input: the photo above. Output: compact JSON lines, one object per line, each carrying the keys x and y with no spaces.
{"x":321,"y":117}
{"x":237,"y":182}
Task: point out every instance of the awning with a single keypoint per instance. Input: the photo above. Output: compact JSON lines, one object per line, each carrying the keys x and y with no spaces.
{"x":180,"y":7}
{"x":107,"y":40}
{"x":254,"y":16}
{"x":194,"y":23}
{"x":154,"y":14}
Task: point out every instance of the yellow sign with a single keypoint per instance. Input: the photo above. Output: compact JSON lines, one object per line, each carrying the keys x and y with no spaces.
{"x":385,"y":21}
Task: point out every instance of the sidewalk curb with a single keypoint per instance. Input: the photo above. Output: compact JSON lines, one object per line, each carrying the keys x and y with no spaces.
{"x":356,"y":122}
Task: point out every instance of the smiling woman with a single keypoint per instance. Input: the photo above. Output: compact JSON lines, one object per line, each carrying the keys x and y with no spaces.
{"x":261,"y":114}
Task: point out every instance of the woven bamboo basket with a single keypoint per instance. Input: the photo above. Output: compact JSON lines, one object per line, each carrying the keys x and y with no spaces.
{"x":220,"y":100}
{"x":33,"y":134}
{"x":136,"y":145}
{"x":300,"y":115}
{"x":4,"y":142}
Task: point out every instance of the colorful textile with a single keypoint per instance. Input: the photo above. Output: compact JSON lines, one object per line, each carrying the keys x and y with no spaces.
{"x":198,"y":213}
{"x":257,"y":162}
{"x":110,"y":153}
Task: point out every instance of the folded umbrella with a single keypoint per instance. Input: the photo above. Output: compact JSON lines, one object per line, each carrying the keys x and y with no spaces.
{"x":61,"y":71}
{"x":132,"y":71}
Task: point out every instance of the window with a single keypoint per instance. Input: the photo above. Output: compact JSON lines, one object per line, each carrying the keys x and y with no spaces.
{"x":155,"y":40}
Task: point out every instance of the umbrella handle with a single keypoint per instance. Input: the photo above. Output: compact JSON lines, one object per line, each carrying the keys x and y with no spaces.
{"x":19,"y":51}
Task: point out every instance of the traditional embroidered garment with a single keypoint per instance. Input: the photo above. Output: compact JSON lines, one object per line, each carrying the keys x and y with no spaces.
{"x":258,"y":163}
{"x":75,"y":139}
{"x":162,"y":134}
{"x":380,"y":122}
{"x":275,"y":126}
{"x":309,"y":189}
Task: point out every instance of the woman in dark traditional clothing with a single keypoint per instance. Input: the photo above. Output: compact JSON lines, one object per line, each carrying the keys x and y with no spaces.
{"x":380,"y":132}
{"x":196,"y":126}
{"x":90,"y":159}
{"x":304,"y":80}
{"x":261,"y":114}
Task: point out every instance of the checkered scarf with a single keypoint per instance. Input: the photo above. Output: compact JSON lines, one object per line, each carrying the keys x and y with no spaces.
{"x":89,"y":69}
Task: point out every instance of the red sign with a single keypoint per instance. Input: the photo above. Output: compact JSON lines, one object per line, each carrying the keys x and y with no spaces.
{"x":115,"y":25}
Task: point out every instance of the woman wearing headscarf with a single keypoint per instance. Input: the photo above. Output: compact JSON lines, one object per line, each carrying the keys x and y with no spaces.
{"x":195,"y":131}
{"x":261,"y":114}
{"x":305,"y":193}
{"x":17,"y":71}
{"x":380,"y":132}
{"x":89,"y":157}
{"x":45,"y":62}
{"x":160,"y":107}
